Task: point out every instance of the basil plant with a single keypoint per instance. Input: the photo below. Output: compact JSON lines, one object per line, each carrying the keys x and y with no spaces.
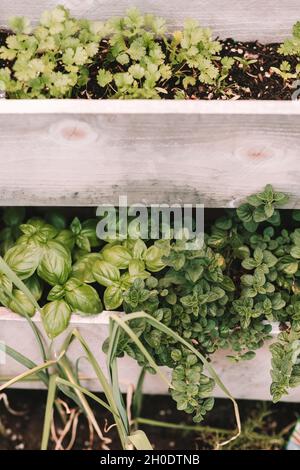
{"x":66,"y":268}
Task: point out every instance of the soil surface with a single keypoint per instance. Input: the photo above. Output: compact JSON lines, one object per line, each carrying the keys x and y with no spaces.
{"x":265,"y":426}
{"x":251,"y":77}
{"x":258,"y":80}
{"x":255,"y":80}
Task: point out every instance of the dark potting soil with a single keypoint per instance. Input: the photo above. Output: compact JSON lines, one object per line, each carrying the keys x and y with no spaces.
{"x":253,"y":81}
{"x":257,"y":81}
{"x":265,"y":426}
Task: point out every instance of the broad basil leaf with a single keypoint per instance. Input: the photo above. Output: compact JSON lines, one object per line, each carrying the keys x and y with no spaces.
{"x":76,"y":226}
{"x":23,"y":259}
{"x":105,"y":273}
{"x":56,"y":293}
{"x":113,"y":297}
{"x":37,"y":231}
{"x":139,"y":249}
{"x":56,"y":263}
{"x":55,"y":218}
{"x":117,"y":255}
{"x":83,"y":268}
{"x":20,"y":303}
{"x":84,"y":299}
{"x":88,"y":230}
{"x":153,"y":259}
{"x":66,"y":238}
{"x":137,"y":267}
{"x":56,"y":316}
{"x":35,"y":286}
{"x":83,"y":243}
{"x":13,"y":216}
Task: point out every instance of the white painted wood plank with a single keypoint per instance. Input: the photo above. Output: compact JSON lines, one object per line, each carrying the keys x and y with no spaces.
{"x":154,"y":152}
{"x":249,"y":380}
{"x":77,"y":106}
{"x":270,"y":20}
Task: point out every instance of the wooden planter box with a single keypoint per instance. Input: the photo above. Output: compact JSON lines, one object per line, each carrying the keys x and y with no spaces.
{"x":249,"y":380}
{"x":85,"y":153}
{"x":81,"y":153}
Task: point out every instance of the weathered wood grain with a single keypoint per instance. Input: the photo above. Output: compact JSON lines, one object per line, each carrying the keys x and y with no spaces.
{"x":269,"y":20}
{"x":72,"y":153}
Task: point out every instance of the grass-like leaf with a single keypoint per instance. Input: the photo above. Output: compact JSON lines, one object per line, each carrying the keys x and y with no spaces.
{"x":87,"y":409}
{"x":26,"y":362}
{"x":49,"y":411}
{"x":163,"y":328}
{"x":114,"y":335}
{"x":28,"y":373}
{"x":136,"y":340}
{"x":84,"y":390}
{"x":140,"y":441}
{"x":138,"y":395}
{"x":107,"y":389}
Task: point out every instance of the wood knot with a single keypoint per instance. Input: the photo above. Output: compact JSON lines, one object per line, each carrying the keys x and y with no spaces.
{"x":258,"y":154}
{"x":73,"y":131}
